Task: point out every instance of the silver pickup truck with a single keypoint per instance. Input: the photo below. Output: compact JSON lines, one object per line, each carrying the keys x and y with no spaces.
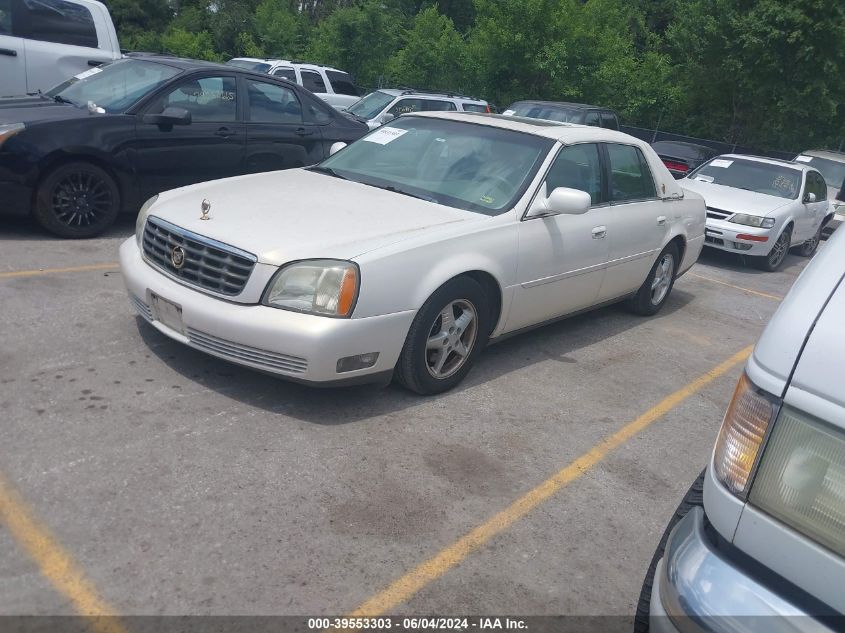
{"x":758,"y":543}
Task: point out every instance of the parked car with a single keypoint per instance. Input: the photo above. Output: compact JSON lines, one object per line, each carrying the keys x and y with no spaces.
{"x":563,"y":112}
{"x":760,"y":207}
{"x":384,"y":105}
{"x":831,"y":165}
{"x":407,"y":250}
{"x":335,"y":87}
{"x":43,"y":43}
{"x":758,"y":542}
{"x":681,"y":157}
{"x":111,"y":137}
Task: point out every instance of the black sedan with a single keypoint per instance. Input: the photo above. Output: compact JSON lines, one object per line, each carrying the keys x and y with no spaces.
{"x":681,"y":157}
{"x":111,"y":137}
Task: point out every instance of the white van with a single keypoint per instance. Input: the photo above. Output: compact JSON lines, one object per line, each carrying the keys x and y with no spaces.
{"x":45,"y":42}
{"x":758,"y":543}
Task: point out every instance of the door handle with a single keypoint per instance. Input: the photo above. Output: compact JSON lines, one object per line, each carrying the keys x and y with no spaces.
{"x":304,"y":132}
{"x":8,"y":52}
{"x":661,"y":220}
{"x":224,"y":132}
{"x":599,"y":232}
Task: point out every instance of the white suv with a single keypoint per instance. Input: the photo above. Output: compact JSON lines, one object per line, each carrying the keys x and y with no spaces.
{"x":384,"y":105}
{"x":333,"y":86}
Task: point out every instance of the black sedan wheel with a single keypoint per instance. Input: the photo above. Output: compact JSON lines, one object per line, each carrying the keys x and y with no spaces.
{"x":77,"y":200}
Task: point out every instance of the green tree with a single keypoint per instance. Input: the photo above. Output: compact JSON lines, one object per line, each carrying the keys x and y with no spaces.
{"x":281,"y":31}
{"x":193,"y":45}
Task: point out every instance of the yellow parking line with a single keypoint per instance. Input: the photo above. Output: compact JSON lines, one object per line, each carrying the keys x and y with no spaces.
{"x":56,"y":564}
{"x":403,"y":588}
{"x":54,"y":271}
{"x":725,"y":283}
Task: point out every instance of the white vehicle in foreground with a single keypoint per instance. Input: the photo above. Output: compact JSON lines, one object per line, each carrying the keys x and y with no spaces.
{"x":761,"y":207}
{"x":406,"y":251}
{"x":384,"y":105}
{"x":758,"y":543}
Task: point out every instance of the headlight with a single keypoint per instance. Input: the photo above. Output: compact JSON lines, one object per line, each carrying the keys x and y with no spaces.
{"x":328,"y":287}
{"x":141,"y":220}
{"x":752,"y":220}
{"x":801,"y":478}
{"x":746,"y":422}
{"x":8,"y":130}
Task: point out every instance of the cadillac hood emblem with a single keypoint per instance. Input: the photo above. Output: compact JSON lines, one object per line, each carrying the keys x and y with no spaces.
{"x":177,"y":257}
{"x":205,"y":207}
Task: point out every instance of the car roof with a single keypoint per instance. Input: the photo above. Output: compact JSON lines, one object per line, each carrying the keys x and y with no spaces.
{"x":563,"y":132}
{"x":825,"y":153}
{"x":566,"y":104}
{"x":182,"y":63}
{"x":294,"y":62}
{"x":410,"y":92}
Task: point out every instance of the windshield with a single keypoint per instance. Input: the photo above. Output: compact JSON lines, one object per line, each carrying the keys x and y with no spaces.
{"x":833,"y":171}
{"x":767,"y":178}
{"x":114,"y":87}
{"x":462,"y":165}
{"x":260,"y":67}
{"x":547,"y":111}
{"x":371,"y":105}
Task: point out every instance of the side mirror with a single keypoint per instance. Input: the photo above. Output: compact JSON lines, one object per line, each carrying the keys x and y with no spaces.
{"x":336,"y":147}
{"x":809,"y":198}
{"x":386,"y":118}
{"x":171,"y":116}
{"x":561,"y":201}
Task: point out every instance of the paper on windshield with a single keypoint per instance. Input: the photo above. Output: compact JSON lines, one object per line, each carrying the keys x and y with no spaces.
{"x":721,"y":162}
{"x":804,"y":159}
{"x":384,"y":135}
{"x":88,"y":73}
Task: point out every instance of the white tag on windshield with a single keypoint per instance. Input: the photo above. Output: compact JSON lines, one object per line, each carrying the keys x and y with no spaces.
{"x":803,"y":159}
{"x":88,"y":73}
{"x":721,"y":162}
{"x":508,"y":113}
{"x":384,"y":135}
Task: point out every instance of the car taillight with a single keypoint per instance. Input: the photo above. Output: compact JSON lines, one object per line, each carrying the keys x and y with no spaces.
{"x":488,"y":109}
{"x":675,"y":166}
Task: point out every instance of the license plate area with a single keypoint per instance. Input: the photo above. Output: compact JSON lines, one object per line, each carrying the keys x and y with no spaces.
{"x":167,"y":312}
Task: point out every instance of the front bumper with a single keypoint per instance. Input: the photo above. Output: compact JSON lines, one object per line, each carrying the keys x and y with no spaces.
{"x":698,"y":589}
{"x":724,"y":236}
{"x":301,"y":347}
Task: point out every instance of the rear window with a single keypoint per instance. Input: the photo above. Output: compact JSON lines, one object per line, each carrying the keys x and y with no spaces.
{"x":342,"y":83}
{"x":56,"y":21}
{"x":475,"y":107}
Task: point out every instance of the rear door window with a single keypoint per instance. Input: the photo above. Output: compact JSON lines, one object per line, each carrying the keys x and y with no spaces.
{"x":592,"y":118}
{"x":311,"y":80}
{"x":436,"y":105}
{"x":56,"y":21}
{"x":630,"y":177}
{"x":609,"y":120}
{"x":269,"y":103}
{"x":342,"y":83}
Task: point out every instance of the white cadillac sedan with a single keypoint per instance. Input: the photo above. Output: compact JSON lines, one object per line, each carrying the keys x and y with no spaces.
{"x":760,"y":207}
{"x":404,"y":253}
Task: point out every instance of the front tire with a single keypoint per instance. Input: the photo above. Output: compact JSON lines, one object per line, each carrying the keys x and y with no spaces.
{"x":658,"y":285}
{"x":693,"y":498}
{"x":771,"y":262}
{"x":77,"y":200}
{"x":808,"y":248}
{"x":445,"y":338}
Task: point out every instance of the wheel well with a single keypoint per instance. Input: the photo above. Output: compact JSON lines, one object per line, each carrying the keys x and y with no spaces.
{"x":491,"y":289}
{"x":681,"y":245}
{"x":56,"y":161}
{"x":827,"y":219}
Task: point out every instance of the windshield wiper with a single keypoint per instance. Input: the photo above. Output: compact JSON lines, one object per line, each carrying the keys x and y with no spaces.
{"x":393,"y":189}
{"x":61,"y":99}
{"x":326,"y":170}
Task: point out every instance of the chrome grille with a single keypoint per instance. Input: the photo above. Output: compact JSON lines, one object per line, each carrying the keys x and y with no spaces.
{"x":238,"y":353}
{"x":718,"y":214}
{"x":208,"y":263}
{"x":140,"y":307}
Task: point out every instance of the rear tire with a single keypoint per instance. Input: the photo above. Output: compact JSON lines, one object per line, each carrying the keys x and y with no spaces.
{"x":694,"y":497}
{"x":445,"y":338}
{"x":771,"y":262}
{"x":77,"y":200}
{"x":658,"y":285}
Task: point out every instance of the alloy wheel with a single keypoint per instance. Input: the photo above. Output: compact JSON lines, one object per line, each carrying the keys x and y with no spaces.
{"x":81,"y":199}
{"x":451,"y":338}
{"x":778,"y":252}
{"x":662,"y":278}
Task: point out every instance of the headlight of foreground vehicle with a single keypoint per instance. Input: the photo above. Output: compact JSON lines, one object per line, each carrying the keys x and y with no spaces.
{"x":749,"y":414}
{"x":328,"y":287}
{"x":141,"y":220}
{"x":8,"y":130}
{"x":801,"y":478}
{"x":752,"y":220}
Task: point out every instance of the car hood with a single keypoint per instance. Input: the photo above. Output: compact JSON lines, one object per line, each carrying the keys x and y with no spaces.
{"x":733,"y":199}
{"x":283,"y":216}
{"x":36,"y":109}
